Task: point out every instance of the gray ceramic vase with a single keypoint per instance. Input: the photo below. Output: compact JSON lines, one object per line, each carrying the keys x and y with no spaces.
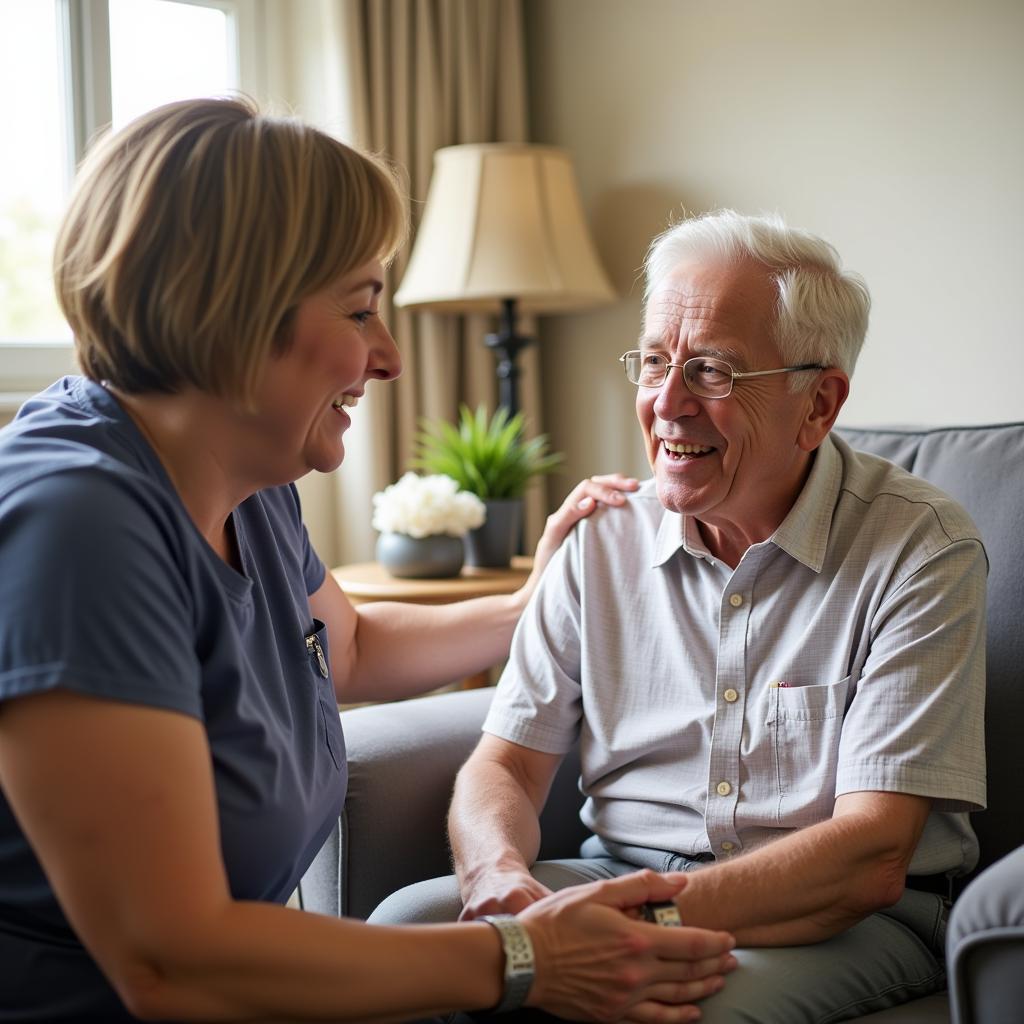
{"x":435,"y":557}
{"x":492,"y":545}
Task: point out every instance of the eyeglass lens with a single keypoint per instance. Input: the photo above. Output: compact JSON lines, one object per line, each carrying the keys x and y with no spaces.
{"x":711,"y":378}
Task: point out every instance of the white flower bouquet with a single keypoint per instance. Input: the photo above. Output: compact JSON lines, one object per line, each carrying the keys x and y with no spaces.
{"x":423,"y":506}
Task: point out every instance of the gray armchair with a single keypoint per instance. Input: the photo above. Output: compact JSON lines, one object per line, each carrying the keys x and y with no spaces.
{"x":403,"y":757}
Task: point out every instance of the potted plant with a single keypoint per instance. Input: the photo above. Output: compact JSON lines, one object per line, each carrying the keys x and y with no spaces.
{"x":488,"y":456}
{"x":422,"y":520}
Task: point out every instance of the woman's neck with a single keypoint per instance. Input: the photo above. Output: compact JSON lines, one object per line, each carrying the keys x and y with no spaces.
{"x":192,"y":435}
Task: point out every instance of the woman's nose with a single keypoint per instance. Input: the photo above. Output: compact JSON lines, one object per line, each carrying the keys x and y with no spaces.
{"x":386,"y":360}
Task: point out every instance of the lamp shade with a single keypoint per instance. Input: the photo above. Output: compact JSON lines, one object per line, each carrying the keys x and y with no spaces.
{"x":503,"y":222}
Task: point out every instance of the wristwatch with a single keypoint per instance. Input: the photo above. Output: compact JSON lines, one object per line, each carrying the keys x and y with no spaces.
{"x":519,"y":963}
{"x":666,"y":914}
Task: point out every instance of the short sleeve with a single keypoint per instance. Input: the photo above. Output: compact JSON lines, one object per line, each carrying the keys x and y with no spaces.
{"x":538,"y":702}
{"x":916,"y":723}
{"x":94,"y":592}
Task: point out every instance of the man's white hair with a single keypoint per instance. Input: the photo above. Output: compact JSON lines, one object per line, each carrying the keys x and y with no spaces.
{"x":822,"y":311}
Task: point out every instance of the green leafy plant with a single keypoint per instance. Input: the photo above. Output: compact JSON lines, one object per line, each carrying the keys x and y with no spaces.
{"x":485,"y":455}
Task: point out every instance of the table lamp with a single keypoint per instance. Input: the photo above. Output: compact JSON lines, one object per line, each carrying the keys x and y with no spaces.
{"x":503,"y":232}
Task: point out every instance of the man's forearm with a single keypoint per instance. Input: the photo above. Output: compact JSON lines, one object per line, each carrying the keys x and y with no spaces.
{"x":491,"y":822}
{"x":494,"y":826}
{"x":811,"y":884}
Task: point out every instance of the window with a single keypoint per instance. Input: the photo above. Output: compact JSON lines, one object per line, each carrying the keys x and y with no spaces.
{"x":70,"y":68}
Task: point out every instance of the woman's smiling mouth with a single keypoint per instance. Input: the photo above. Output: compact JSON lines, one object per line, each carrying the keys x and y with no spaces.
{"x":346,"y":401}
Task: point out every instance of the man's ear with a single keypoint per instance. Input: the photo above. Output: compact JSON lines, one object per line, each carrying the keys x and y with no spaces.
{"x":824,"y":404}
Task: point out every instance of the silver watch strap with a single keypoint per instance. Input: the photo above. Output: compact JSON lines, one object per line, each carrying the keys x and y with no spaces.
{"x":519,"y":963}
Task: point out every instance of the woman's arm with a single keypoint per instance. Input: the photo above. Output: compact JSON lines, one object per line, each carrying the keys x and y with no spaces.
{"x":118,"y":803}
{"x":388,"y":650}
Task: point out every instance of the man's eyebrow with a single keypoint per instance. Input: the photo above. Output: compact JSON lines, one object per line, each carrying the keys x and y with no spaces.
{"x":647,"y":343}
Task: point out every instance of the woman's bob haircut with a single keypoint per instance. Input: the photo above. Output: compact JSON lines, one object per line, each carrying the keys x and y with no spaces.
{"x":194,"y":232}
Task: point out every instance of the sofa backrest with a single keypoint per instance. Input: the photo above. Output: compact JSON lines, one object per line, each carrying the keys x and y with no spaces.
{"x":983,"y":469}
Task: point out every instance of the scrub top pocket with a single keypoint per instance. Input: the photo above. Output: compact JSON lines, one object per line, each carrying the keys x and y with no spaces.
{"x":319,"y":659}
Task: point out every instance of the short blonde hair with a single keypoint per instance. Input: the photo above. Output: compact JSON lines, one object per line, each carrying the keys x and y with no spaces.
{"x":194,"y":232}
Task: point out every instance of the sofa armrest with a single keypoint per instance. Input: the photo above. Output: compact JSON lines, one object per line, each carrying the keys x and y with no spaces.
{"x":985,"y":945}
{"x":403,"y":759}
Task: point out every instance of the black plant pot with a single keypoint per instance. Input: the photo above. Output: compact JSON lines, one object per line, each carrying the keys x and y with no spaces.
{"x":492,"y":545}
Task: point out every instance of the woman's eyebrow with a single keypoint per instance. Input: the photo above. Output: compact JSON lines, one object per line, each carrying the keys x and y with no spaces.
{"x":371,"y":282}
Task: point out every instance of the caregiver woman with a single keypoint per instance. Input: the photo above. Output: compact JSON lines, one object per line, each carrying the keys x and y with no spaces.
{"x":170,"y":755}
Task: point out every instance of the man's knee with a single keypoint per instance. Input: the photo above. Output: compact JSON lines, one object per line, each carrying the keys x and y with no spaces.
{"x":796,"y":984}
{"x":435,"y":901}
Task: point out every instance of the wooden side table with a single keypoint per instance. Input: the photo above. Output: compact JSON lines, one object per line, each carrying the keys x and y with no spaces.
{"x":364,"y":582}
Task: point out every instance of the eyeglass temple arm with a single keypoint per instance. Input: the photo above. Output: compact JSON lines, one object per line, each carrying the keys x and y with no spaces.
{"x":781,"y":369}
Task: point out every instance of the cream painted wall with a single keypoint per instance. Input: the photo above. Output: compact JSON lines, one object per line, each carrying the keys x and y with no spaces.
{"x":893,"y":128}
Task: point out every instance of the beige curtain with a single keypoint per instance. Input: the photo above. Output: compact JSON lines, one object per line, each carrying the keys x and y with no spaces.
{"x":404,"y":78}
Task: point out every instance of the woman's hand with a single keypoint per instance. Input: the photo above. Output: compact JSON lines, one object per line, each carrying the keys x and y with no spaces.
{"x":580,"y":502}
{"x":595,"y":961}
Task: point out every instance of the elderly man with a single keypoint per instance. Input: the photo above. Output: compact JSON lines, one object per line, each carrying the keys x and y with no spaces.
{"x":773,"y":656}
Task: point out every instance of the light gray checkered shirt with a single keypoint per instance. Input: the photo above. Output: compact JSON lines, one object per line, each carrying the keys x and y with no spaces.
{"x":718,"y":709}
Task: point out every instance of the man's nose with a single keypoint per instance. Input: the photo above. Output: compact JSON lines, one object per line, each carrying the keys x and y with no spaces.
{"x":674,"y":398}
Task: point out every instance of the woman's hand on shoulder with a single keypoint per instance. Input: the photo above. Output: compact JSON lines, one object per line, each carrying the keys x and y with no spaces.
{"x":587,"y":495}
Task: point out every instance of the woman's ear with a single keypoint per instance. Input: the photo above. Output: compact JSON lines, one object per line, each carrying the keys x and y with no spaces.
{"x":826,"y":400}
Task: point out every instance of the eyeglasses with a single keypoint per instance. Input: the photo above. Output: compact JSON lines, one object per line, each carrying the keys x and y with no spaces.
{"x":704,"y":376}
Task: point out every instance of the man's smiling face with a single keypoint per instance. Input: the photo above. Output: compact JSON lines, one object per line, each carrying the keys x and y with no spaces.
{"x":734,"y":463}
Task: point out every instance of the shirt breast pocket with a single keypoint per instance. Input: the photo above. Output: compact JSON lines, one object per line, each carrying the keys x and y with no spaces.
{"x":318,"y":659}
{"x":805,"y":724}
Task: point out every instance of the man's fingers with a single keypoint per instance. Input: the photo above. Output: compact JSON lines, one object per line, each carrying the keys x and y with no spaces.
{"x":503,"y":899}
{"x":509,"y":903}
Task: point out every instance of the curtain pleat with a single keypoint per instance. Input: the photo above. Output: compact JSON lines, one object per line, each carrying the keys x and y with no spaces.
{"x":434,"y":73}
{"x":403,"y":78}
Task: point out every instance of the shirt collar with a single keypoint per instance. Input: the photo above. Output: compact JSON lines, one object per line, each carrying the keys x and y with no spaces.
{"x":803,"y":534}
{"x":677,"y":531}
{"x":670,"y":537}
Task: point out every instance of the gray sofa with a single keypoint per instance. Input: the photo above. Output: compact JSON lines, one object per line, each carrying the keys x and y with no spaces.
{"x":404,"y":756}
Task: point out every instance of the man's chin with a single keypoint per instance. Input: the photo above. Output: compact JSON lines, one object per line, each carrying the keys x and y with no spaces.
{"x":675,"y":497}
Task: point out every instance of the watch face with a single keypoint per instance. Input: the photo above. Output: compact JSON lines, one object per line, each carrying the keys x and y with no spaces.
{"x":665,"y":914}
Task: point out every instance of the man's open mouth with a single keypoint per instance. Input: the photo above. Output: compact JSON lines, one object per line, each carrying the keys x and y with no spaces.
{"x":685,"y":452}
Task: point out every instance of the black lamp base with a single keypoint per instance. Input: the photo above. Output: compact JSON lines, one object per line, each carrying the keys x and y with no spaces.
{"x":506,"y":345}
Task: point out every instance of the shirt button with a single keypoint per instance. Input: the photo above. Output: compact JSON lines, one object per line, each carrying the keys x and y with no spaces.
{"x":730,"y":695}
{"x":723,"y":789}
{"x":736,"y":600}
{"x":728,"y":847}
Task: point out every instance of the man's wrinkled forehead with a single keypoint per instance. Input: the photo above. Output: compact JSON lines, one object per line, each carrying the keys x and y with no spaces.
{"x":716,"y":304}
{"x":707,"y":326}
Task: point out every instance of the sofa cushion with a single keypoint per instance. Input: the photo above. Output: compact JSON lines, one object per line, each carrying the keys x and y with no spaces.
{"x":983,"y":469}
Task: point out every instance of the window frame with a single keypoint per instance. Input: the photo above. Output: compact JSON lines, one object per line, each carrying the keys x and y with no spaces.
{"x":84,"y":44}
